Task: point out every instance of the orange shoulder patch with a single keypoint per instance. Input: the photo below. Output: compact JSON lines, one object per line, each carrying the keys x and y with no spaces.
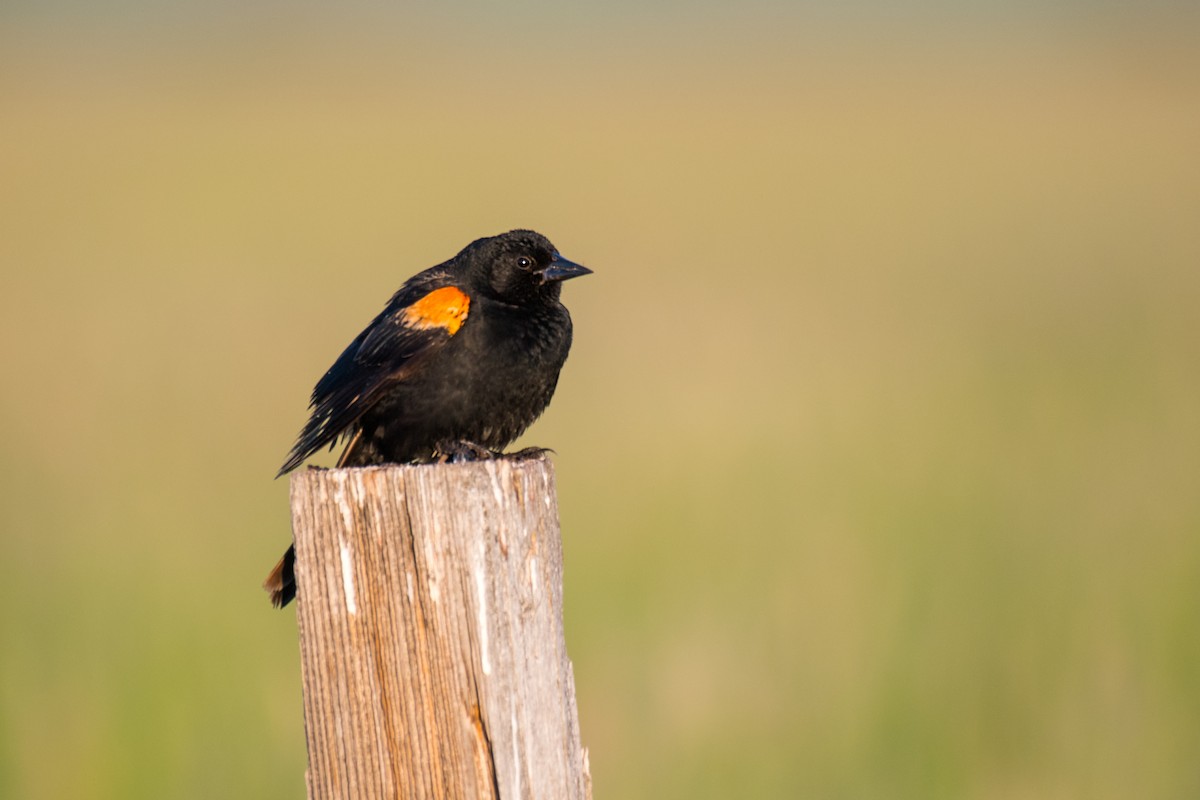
{"x":442,"y":308}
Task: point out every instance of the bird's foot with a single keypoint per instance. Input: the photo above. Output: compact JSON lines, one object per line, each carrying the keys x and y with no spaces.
{"x":527,"y":453}
{"x":461,"y":450}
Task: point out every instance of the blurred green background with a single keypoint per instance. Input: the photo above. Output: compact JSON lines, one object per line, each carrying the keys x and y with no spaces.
{"x":878,"y":449}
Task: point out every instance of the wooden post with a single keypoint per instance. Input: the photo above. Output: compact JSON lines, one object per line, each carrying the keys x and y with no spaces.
{"x":431,"y":635}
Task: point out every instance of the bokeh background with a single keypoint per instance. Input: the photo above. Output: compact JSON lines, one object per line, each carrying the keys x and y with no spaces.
{"x":878,"y":449}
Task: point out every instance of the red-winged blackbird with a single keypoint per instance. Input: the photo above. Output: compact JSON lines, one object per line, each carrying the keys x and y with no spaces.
{"x":461,"y":361}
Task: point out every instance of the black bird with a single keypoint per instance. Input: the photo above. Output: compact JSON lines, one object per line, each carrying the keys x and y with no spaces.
{"x":464,"y":357}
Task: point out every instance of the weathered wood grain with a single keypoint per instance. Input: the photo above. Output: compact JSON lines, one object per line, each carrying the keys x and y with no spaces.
{"x":431,"y":636}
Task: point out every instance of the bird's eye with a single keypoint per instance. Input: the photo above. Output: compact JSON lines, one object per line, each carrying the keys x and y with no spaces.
{"x":524,"y":262}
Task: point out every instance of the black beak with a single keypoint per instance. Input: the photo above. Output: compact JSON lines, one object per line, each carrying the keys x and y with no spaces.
{"x":561,"y":269}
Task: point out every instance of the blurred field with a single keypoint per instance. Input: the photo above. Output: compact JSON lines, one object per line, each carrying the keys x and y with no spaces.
{"x":878,"y":450}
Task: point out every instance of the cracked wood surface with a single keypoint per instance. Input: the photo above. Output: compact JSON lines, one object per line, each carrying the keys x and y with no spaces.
{"x":431,"y":635}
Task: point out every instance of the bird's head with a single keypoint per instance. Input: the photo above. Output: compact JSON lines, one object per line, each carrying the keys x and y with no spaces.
{"x":519,"y":266}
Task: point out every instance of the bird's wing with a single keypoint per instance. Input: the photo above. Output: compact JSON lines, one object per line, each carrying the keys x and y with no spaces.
{"x":420,"y":319}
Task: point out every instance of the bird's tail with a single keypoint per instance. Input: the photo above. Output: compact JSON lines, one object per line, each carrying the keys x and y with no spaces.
{"x":281,"y":583}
